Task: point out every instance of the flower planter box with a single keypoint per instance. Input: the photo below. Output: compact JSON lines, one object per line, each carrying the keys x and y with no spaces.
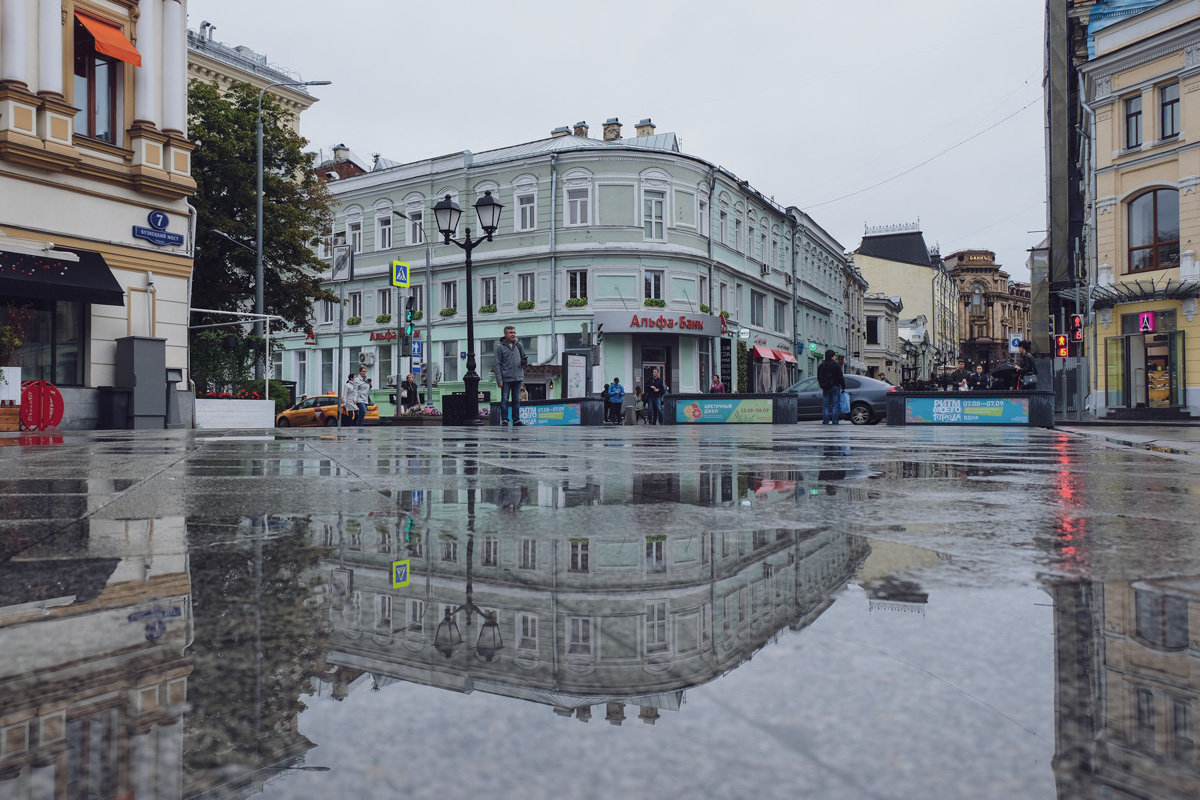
{"x":415,"y":421}
{"x":235,"y":414}
{"x":10,"y":418}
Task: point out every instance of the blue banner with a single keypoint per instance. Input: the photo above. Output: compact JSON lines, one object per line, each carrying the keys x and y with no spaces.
{"x":967,"y":411}
{"x":557,"y":414}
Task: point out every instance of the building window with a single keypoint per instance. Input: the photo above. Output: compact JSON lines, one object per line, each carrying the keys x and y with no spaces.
{"x":1133,"y":122}
{"x":737,"y":235}
{"x":1143,"y":733}
{"x":1154,"y":231}
{"x":577,"y":283}
{"x":354,"y":302}
{"x":383,"y":231}
{"x":1162,"y":620}
{"x":655,"y":554}
{"x":526,"y":211}
{"x":653,"y":202}
{"x":53,"y":347}
{"x":723,"y":228}
{"x":977,"y":301}
{"x":656,"y":627}
{"x":704,"y":291}
{"x":449,"y":549}
{"x":450,"y":294}
{"x":579,"y":636}
{"x":526,"y":632}
{"x":416,"y":615}
{"x":487,"y":290}
{"x":416,"y":232}
{"x":873,"y":330}
{"x":384,"y":298}
{"x":579,"y":555}
{"x":703,"y":217}
{"x":757,"y":301}
{"x":525,"y":284}
{"x":354,"y":234}
{"x":577,"y":207}
{"x":1183,"y":746}
{"x":654,"y":284}
{"x":491,"y":551}
{"x":418,"y":295}
{"x":1168,"y":100}
{"x":450,"y":360}
{"x":528,"y":558}
{"x":96,"y":79}
{"x":780,"y":315}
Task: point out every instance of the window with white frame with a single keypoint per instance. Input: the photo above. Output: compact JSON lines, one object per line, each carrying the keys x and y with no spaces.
{"x":449,"y":294}
{"x":302,"y":371}
{"x":775,"y":253}
{"x":449,"y":549}
{"x":579,"y":561}
{"x":526,"y":216}
{"x":656,"y":627}
{"x":487,"y":291}
{"x":577,"y":206}
{"x":526,"y":283}
{"x":327,"y":310}
{"x":416,"y":615}
{"x":653,"y":281}
{"x":276,"y":365}
{"x":723,"y":227}
{"x":704,"y":289}
{"x":384,"y":301}
{"x":325,"y":247}
{"x":418,"y":292}
{"x":383,"y":612}
{"x":737,"y":235}
{"x":528,"y":553}
{"x":656,"y":560}
{"x":354,"y":304}
{"x":724,"y":300}
{"x":491,"y":551}
{"x":579,"y":636}
{"x":653,"y":203}
{"x":762,"y":248}
{"x":450,"y":360}
{"x":354,"y":235}
{"x":780,"y":320}
{"x":416,"y":231}
{"x":527,"y":631}
{"x":702,"y":216}
{"x":577,"y":283}
{"x":383,"y":230}
{"x":750,"y":239}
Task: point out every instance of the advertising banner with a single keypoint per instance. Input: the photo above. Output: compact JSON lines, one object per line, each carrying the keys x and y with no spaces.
{"x":556,"y":414}
{"x":998,"y":411}
{"x":726,"y":410}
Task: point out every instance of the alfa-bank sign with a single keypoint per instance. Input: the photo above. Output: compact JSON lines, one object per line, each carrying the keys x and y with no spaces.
{"x":656,"y":320}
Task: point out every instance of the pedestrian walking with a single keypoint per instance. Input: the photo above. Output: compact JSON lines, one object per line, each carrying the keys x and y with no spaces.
{"x":509,"y":367}
{"x":717,"y":386}
{"x":362,"y":395}
{"x":832,"y":383}
{"x":655,"y":391}
{"x":409,"y":396}
{"x":616,"y":396}
{"x":350,"y":397}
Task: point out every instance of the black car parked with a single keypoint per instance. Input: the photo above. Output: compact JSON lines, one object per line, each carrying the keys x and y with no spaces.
{"x":868,"y":399}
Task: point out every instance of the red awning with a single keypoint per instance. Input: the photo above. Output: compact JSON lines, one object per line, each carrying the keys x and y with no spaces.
{"x":763,"y":352}
{"x":110,"y":40}
{"x":783,"y":356}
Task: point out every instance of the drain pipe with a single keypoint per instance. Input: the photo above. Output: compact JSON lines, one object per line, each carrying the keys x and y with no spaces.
{"x":553,"y":261}
{"x":193,"y":221}
{"x":795,"y":288}
{"x":1093,"y":258}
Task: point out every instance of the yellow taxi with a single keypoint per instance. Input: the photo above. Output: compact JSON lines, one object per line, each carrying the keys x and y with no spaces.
{"x":320,"y":410}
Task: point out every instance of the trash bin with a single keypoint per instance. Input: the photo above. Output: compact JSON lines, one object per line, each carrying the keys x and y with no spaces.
{"x":113,"y":408}
{"x":454,"y":408}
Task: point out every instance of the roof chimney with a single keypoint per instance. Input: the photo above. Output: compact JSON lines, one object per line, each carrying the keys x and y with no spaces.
{"x":612,"y":129}
{"x":581,"y":129}
{"x":645,"y":127}
{"x":340,"y":153}
{"x":560,"y":131}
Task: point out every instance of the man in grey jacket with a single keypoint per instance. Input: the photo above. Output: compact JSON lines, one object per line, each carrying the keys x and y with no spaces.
{"x":510,"y":374}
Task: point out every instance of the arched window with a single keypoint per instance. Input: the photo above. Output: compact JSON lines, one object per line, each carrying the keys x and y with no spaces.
{"x":1154,"y":230}
{"x":977,"y":301}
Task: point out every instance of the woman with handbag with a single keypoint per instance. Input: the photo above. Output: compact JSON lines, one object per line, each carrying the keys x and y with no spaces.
{"x":1026,"y":368}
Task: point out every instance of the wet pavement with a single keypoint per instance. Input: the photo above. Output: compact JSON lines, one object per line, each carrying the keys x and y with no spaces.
{"x":730,"y":611}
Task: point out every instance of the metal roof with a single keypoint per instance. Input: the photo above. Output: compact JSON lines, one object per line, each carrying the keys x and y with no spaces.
{"x":553,"y":144}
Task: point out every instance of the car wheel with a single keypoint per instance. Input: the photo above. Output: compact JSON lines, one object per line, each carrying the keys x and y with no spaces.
{"x":331,"y":422}
{"x":283,"y":423}
{"x":860,"y":413}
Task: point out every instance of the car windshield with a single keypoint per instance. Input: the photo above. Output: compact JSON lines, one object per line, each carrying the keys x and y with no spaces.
{"x":806,"y":385}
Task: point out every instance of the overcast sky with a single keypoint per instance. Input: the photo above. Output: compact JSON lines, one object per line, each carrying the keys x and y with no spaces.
{"x":868,"y":112}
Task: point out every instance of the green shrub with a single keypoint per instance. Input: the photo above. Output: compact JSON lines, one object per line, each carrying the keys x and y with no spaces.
{"x":576,"y":302}
{"x":354,"y":320}
{"x":488,"y":309}
{"x":524,"y":305}
{"x":656,"y":302}
{"x":449,"y":312}
{"x":384,"y":319}
{"x":704,"y":309}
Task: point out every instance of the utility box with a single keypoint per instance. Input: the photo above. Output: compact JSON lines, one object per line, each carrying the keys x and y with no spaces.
{"x":141,"y":369}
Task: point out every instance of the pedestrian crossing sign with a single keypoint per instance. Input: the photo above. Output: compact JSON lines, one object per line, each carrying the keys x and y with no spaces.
{"x":400,"y":574}
{"x":400,"y":274}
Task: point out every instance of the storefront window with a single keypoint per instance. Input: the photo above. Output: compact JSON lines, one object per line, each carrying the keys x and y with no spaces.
{"x":1154,"y":231}
{"x":1114,"y":362}
{"x":53,"y":348}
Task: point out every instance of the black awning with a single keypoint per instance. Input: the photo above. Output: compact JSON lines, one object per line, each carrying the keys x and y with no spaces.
{"x":88,"y":280}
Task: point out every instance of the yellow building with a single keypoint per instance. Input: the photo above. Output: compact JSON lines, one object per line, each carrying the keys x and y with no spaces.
{"x":95,"y":171}
{"x":1143,"y":210}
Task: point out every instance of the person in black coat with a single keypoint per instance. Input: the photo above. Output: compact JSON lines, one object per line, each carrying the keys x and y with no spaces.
{"x":832,"y":383}
{"x":656,"y":390}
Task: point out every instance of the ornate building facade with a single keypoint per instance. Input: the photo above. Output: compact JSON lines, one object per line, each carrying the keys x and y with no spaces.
{"x":993,"y":309}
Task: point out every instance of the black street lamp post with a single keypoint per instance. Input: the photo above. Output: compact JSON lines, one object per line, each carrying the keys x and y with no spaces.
{"x":447,"y":213}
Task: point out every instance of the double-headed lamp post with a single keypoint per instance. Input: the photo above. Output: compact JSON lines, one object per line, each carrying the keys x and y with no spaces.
{"x":258,"y":216}
{"x":447,"y":213}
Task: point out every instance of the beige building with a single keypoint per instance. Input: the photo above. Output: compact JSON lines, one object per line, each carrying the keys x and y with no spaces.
{"x":896,"y":262}
{"x":1143,"y":213}
{"x":994,"y":310}
{"x":883,"y":351}
{"x":95,"y":171}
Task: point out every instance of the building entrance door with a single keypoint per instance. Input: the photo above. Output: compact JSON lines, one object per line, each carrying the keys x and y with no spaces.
{"x":1145,"y":370}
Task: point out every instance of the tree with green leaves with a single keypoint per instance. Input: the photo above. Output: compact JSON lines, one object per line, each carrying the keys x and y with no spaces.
{"x":297,"y":208}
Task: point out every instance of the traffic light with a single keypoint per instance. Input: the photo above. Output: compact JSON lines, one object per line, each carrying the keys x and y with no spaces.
{"x":600,"y":333}
{"x":1061,"y":348}
{"x":410,"y":306}
{"x":1077,"y":327}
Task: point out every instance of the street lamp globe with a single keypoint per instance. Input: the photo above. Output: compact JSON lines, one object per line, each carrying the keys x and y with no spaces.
{"x":488,"y":208}
{"x":447,"y":212}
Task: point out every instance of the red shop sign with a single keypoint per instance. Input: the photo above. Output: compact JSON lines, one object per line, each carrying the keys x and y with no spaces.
{"x":41,"y":405}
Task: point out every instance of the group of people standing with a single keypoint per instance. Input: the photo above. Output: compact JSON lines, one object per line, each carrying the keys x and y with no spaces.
{"x":1021,"y":374}
{"x":356,"y":396}
{"x":647,"y":403}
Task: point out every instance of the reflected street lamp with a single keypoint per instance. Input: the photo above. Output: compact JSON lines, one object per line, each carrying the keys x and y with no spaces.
{"x":448,"y":637}
{"x":447,"y":214}
{"x":258,"y":225}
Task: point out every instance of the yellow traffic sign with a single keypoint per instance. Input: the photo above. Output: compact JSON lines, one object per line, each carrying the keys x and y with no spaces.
{"x":400,"y":274}
{"x":400,"y":574}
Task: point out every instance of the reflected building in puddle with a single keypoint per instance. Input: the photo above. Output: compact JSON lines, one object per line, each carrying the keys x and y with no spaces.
{"x":94,"y":621}
{"x":611,"y":619}
{"x":1127,"y":662}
